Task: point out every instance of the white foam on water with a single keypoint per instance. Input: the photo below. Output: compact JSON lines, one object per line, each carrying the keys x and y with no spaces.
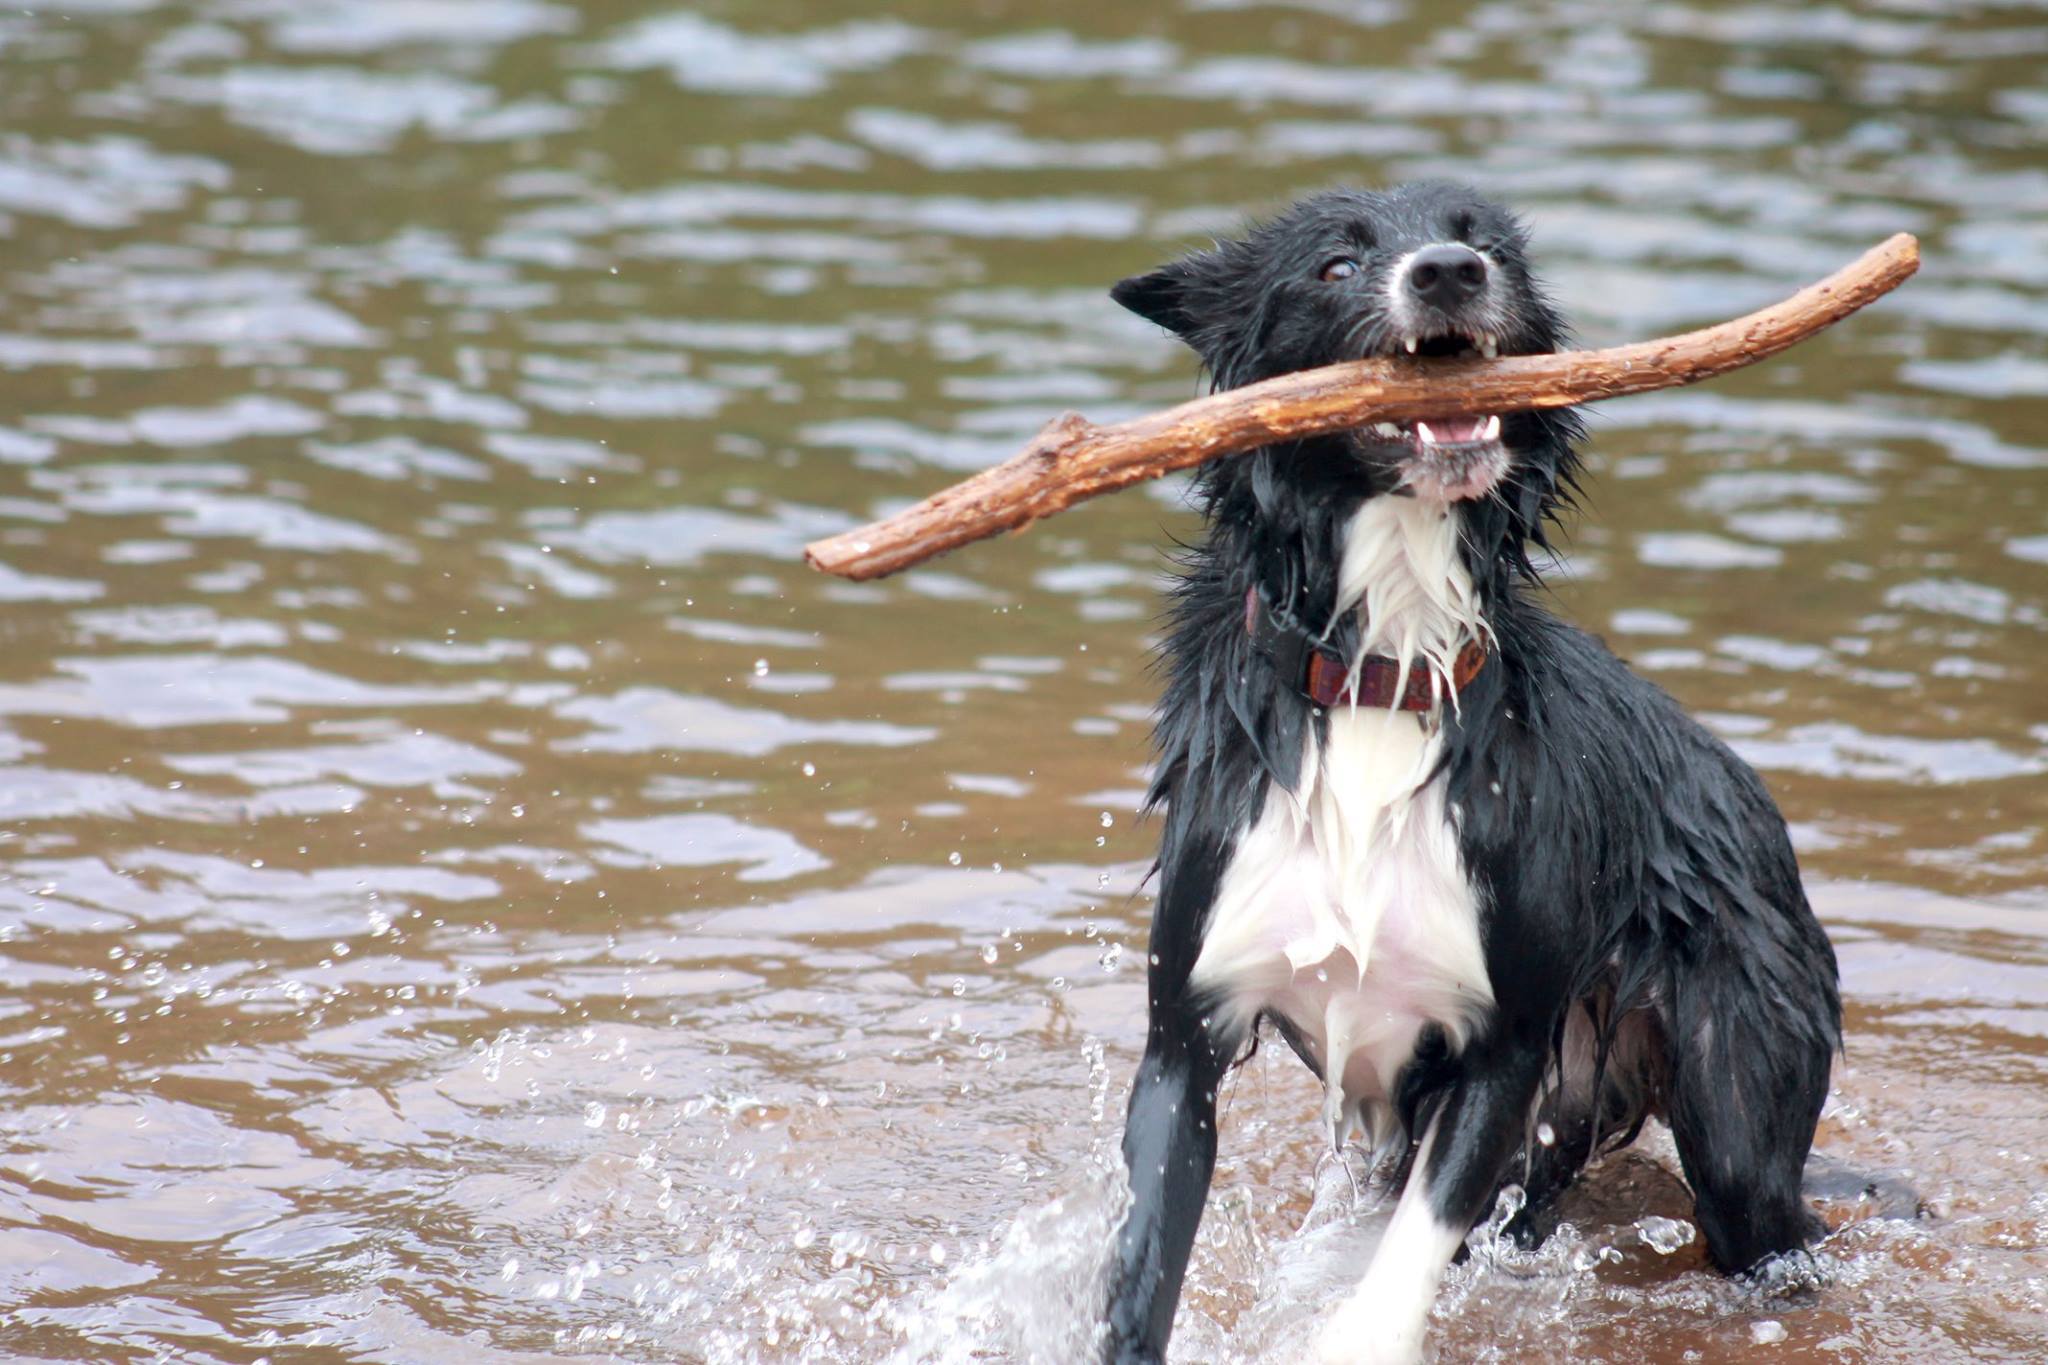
{"x":1035,"y":1296}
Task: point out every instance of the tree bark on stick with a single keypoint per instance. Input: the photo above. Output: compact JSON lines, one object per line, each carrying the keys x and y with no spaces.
{"x":1072,"y":459}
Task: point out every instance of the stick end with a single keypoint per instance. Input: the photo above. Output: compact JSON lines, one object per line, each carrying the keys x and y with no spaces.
{"x":842,"y":556}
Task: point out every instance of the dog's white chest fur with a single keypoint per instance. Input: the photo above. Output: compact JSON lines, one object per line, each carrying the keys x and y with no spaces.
{"x":1346,"y":908}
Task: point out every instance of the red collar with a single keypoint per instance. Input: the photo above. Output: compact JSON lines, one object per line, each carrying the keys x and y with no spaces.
{"x":1325,"y":679}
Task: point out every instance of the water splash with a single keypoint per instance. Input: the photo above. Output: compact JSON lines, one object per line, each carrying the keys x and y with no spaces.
{"x":1665,"y":1236}
{"x":1035,"y":1296}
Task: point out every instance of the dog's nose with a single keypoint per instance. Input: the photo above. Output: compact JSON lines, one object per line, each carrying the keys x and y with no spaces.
{"x":1446,"y":276}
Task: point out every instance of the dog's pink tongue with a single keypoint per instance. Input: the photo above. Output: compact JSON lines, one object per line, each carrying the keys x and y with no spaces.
{"x":1455,"y":430}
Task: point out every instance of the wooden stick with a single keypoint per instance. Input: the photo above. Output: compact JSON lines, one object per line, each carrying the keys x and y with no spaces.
{"x":1072,"y":459}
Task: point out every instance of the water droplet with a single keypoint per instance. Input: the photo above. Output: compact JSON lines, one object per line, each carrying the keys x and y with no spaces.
{"x":593,"y":1115}
{"x":1059,"y":983}
{"x":988,"y":953}
{"x":760,"y":668}
{"x":954,"y":857}
{"x":1112,"y":958}
{"x":959,"y":987}
{"x":1546,"y":1135}
{"x":810,"y":770}
{"x":1664,"y":1235}
{"x":1107,"y":819}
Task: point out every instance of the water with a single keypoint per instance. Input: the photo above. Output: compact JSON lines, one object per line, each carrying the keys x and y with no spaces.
{"x":468,"y":894}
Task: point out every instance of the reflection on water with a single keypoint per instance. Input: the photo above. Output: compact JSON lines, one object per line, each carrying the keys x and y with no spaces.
{"x":470,"y":895}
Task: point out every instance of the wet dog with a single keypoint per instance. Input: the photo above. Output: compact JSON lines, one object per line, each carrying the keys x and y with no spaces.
{"x":1504,"y":898}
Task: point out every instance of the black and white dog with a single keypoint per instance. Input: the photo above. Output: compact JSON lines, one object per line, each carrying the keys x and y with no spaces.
{"x":1501,"y":895}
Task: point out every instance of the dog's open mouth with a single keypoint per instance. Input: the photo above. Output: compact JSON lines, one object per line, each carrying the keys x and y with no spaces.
{"x":1451,"y":458}
{"x":1456,"y":344}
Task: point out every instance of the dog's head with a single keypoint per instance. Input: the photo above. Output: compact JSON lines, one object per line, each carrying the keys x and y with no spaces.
{"x":1429,"y":270}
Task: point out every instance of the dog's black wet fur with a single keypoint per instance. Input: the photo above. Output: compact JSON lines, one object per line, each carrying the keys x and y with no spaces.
{"x":1636,"y":883}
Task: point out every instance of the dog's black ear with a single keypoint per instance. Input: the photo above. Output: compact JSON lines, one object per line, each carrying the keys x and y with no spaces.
{"x":1160,"y":297}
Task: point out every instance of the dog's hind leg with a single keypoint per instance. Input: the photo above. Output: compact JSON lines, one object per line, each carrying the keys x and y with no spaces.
{"x":1749,"y":1071}
{"x":1599,"y":1098}
{"x":1170,"y":1151}
{"x":1547,"y":1169}
{"x":1466,"y":1146}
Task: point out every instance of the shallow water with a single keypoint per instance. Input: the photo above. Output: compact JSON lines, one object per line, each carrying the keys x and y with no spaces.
{"x":470,"y":895}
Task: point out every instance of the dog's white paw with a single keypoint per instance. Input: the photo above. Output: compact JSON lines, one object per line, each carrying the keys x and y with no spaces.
{"x":1356,"y":1335}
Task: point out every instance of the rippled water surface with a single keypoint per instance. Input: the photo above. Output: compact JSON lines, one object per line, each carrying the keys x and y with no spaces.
{"x":468,"y":894}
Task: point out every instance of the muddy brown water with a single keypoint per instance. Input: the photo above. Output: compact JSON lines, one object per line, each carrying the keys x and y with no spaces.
{"x":466,"y":894}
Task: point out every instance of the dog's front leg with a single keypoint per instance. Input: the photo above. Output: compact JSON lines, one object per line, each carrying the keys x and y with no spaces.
{"x":1458,"y":1166}
{"x":1170,"y":1150}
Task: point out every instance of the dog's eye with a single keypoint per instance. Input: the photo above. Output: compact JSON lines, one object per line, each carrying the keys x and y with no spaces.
{"x":1342,"y":268}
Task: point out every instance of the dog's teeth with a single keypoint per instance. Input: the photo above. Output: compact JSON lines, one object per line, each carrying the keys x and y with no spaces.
{"x":1428,"y":436}
{"x":1489,"y":346}
{"x":1410,"y":343}
{"x":1385,"y":430}
{"x":1491,"y":430}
